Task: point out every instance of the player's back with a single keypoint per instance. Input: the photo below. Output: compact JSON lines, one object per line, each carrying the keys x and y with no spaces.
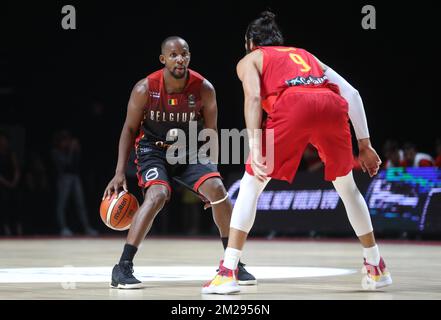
{"x":285,"y":67}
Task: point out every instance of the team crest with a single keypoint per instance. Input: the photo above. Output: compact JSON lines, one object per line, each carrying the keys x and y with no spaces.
{"x":191,"y":101}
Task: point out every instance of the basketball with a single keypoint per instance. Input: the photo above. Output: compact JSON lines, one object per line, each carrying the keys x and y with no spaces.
{"x":117,"y":212}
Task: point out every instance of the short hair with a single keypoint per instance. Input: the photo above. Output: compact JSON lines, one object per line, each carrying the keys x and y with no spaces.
{"x":171,"y":38}
{"x":264,"y":31}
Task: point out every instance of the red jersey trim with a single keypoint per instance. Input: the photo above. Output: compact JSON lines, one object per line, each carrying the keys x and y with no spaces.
{"x":204,"y":178}
{"x":153,"y":182}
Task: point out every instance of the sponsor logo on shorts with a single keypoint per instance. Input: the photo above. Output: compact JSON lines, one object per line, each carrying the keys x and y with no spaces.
{"x":302,"y":81}
{"x":151,"y":174}
{"x":144,"y":149}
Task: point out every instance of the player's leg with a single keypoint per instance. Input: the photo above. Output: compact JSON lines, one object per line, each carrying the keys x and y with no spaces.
{"x":242,"y":220}
{"x":205,"y":180}
{"x":222,"y":208}
{"x":214,"y":191}
{"x":290,"y":139}
{"x":154,"y":200}
{"x":153,"y":178}
{"x":333,"y":141}
{"x":244,"y":212}
{"x":357,"y":210}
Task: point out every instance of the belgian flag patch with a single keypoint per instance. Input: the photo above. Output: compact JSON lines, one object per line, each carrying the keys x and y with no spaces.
{"x":172,"y":102}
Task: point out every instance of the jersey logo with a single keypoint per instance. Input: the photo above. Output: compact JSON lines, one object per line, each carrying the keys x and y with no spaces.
{"x":191,"y":101}
{"x":302,"y":81}
{"x":154,"y":94}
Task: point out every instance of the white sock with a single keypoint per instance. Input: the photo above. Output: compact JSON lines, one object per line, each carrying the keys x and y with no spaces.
{"x":231,"y":258}
{"x":372,"y":255}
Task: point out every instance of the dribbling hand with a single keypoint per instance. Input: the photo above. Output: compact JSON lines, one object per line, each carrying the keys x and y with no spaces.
{"x":115,"y":185}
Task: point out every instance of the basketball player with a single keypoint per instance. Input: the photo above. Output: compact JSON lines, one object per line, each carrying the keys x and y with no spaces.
{"x":302,"y":100}
{"x":163,"y":102}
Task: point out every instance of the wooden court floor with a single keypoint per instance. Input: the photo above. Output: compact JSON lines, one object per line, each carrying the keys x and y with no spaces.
{"x":27,"y":268}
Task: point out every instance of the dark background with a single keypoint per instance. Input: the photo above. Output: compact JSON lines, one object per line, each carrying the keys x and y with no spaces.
{"x":50,"y":77}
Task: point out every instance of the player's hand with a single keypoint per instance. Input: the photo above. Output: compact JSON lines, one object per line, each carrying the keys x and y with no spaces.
{"x":115,"y":185}
{"x":368,"y":158}
{"x":258,"y":165}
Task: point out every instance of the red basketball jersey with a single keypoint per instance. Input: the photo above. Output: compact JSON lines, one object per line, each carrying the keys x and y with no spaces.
{"x":285,"y":67}
{"x":164,"y":111}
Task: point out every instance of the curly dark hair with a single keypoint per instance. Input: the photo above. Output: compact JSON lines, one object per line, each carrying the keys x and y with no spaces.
{"x":264,"y":31}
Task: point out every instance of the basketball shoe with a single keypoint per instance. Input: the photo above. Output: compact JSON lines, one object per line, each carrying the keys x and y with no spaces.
{"x":244,"y":277}
{"x":375,"y":277}
{"x":225,"y":282}
{"x":122,"y":276}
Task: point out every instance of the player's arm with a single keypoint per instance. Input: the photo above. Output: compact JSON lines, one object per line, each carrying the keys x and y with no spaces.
{"x":134,"y":117}
{"x":352,"y":96}
{"x":368,"y":157}
{"x":248,"y":72}
{"x":209,"y":113}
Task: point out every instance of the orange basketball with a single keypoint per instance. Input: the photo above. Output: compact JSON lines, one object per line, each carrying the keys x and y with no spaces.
{"x":117,"y":212}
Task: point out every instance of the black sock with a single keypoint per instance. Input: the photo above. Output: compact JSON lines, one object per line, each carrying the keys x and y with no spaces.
{"x":225,"y":244}
{"x":128,"y":253}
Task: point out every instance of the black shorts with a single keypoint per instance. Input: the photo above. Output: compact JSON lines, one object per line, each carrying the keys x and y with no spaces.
{"x":153,"y":168}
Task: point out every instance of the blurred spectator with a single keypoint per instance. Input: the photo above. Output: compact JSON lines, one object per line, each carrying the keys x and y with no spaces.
{"x":9,"y":192}
{"x":438,"y":153}
{"x":312,"y":159}
{"x":393,"y":155}
{"x":37,"y":191}
{"x":66,"y":158}
{"x":413,"y":158}
{"x":97,"y":144}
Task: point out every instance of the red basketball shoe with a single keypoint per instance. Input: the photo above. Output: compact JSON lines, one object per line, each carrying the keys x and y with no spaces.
{"x":375,"y":277}
{"x":225,"y":282}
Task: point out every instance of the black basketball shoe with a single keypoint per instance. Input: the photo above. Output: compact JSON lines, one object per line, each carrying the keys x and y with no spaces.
{"x":244,"y":277}
{"x":122,"y":276}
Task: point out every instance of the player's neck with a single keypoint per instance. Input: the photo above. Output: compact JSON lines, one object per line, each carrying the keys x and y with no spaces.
{"x":173,"y":85}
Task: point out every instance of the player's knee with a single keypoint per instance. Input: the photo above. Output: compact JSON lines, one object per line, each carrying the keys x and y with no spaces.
{"x":252,"y":185}
{"x":345,"y":185}
{"x":214,"y":190}
{"x":156,"y":196}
